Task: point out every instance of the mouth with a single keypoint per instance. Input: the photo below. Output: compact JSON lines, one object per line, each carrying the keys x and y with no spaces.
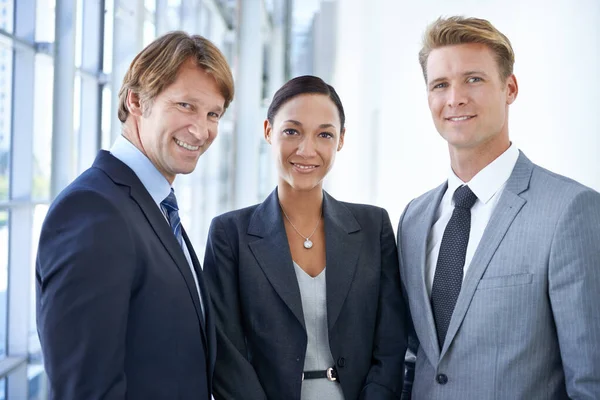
{"x":460,"y":118}
{"x":186,"y":145}
{"x":304,"y":167}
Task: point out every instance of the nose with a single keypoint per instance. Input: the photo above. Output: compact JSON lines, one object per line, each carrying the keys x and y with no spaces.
{"x":456,"y":97}
{"x":307,"y":147}
{"x":199,"y":129}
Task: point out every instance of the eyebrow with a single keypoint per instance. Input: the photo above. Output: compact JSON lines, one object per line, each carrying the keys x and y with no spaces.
{"x":191,"y":99}
{"x":464,"y":74}
{"x":297,"y":123}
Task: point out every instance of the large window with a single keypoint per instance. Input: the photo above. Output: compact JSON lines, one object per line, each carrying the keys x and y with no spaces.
{"x":57,"y":109}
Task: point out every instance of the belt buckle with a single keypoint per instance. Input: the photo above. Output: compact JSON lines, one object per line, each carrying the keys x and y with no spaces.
{"x":330,"y":374}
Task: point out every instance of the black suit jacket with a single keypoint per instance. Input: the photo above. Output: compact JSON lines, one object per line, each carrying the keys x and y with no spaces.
{"x":260,"y":324}
{"x":117,"y":307}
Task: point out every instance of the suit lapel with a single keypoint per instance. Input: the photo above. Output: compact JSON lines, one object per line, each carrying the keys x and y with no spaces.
{"x":272,"y":252}
{"x":508,"y":207}
{"x":427,"y":219}
{"x":343,"y":246}
{"x":122,"y":174}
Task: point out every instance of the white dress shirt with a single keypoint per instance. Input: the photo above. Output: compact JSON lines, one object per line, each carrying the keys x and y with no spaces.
{"x":154,"y":182}
{"x":488,"y":186}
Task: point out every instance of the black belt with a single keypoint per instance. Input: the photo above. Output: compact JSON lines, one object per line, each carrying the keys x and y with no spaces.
{"x":329,"y":373}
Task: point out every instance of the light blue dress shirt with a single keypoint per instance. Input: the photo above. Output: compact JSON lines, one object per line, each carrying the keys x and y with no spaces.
{"x":154,"y":182}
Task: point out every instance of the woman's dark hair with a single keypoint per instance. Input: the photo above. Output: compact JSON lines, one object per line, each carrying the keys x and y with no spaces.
{"x":306,"y":84}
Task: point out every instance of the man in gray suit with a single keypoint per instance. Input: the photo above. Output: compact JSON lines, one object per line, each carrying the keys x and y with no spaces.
{"x":501,"y":263}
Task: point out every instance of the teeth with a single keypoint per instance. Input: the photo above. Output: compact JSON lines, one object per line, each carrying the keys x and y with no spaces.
{"x":305,"y":166}
{"x":186,"y":146}
{"x":459,"y":118}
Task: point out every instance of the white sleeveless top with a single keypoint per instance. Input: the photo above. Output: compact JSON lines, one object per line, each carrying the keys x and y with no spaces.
{"x":318,"y":355}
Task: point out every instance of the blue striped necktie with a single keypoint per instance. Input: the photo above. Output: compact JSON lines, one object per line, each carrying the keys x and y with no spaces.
{"x":172,"y":210}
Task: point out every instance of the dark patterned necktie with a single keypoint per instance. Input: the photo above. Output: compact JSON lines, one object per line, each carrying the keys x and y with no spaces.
{"x":451,"y":261}
{"x":170,"y":206}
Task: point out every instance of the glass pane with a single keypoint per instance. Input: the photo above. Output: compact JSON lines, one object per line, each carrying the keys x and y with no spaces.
{"x":7,"y":17}
{"x":76,"y":123}
{"x":149,"y":32}
{"x":3,"y":279}
{"x":42,"y":127}
{"x":109,"y":15}
{"x":107,"y":102}
{"x":79,"y":34}
{"x":36,"y":378}
{"x":150,"y":5}
{"x":174,"y":15}
{"x":44,"y":20}
{"x":39,"y":213}
{"x":6,"y":60}
{"x":3,"y":389}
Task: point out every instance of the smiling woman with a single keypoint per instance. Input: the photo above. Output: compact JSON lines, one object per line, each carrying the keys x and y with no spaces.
{"x":327,"y":273}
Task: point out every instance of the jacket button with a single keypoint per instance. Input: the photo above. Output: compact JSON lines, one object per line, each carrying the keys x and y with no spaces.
{"x":442,"y":379}
{"x":341,"y":362}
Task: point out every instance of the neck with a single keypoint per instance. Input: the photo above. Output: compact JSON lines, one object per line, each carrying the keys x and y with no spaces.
{"x":300,"y":204}
{"x":129,"y":131}
{"x":467,"y":162}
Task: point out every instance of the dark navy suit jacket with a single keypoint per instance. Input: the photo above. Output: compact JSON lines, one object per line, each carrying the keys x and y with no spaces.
{"x":260,"y":324}
{"x":118,"y":311}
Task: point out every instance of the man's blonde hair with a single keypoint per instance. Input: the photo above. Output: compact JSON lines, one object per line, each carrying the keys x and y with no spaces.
{"x":461,"y":30}
{"x":156,"y":67}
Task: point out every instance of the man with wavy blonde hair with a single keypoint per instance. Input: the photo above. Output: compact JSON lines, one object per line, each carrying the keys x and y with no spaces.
{"x":123,"y":312}
{"x":500,"y":263}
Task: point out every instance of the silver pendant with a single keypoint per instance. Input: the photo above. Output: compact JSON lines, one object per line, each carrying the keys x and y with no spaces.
{"x":308,"y":244}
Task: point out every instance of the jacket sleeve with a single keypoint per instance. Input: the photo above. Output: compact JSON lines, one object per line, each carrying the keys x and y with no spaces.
{"x":385,"y":377}
{"x":413,"y":342}
{"x":84,"y":274}
{"x":234,"y":377}
{"x":574,"y":288}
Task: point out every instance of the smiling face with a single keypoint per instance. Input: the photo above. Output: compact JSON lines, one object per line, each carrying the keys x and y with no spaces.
{"x":181,"y":123}
{"x":305,"y":136}
{"x":467,"y":97}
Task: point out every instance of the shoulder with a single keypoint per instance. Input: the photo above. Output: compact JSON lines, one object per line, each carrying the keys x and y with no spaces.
{"x":419,"y":204}
{"x":91,"y":196}
{"x":348,"y":214}
{"x":556,"y":183}
{"x":235,"y":219}
{"x":368,"y":211}
{"x":555,"y":193}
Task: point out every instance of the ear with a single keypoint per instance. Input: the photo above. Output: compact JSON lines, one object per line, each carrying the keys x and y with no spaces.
{"x":268,"y":130}
{"x":341,"y":142}
{"x":133,"y":103}
{"x":512,"y":89}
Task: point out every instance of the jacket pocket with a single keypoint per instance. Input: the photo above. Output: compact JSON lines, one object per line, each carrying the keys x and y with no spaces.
{"x":505,"y":281}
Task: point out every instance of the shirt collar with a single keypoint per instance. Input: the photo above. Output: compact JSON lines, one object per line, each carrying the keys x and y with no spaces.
{"x":154,"y":182}
{"x":489,"y":180}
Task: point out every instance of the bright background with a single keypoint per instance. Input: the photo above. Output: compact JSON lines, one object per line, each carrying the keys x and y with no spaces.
{"x":62,"y":62}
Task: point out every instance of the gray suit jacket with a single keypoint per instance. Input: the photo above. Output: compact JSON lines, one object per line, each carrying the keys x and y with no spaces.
{"x":527,"y":321}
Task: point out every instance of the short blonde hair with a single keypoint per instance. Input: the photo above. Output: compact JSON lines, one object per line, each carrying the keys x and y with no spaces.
{"x":156,"y":67}
{"x":461,"y":30}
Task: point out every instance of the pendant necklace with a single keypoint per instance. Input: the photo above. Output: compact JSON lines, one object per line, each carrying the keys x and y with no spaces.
{"x":307,"y":242}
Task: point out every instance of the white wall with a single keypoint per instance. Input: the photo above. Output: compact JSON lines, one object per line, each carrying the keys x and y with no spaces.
{"x":393,"y":152}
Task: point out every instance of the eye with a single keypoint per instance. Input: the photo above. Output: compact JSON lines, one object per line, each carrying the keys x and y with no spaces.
{"x":439,"y":86}
{"x":474,"y":79}
{"x":187,"y":106}
{"x":290,"y":132}
{"x":213,"y":115}
{"x":326,"y":135}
